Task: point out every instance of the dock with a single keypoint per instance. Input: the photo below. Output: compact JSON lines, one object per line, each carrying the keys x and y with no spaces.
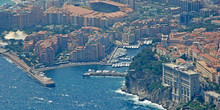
{"x":132,"y":46}
{"x":68,"y":65}
{"x":104,"y":73}
{"x":43,"y":80}
{"x":112,"y":54}
{"x":121,"y":64}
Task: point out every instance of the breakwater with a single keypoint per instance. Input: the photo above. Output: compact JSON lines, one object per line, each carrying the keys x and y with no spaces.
{"x":104,"y":73}
{"x":67,"y":65}
{"x":38,"y":76}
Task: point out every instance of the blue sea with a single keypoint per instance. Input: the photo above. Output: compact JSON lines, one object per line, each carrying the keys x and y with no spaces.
{"x":5,"y":1}
{"x":72,"y":92}
{"x":18,"y":91}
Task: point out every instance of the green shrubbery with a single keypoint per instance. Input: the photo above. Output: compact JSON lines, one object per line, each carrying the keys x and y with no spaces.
{"x":146,"y":62}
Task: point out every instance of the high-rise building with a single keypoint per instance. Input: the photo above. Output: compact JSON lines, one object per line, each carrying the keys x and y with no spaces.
{"x":77,"y":16}
{"x":88,"y":53}
{"x":20,"y":16}
{"x":46,"y":50}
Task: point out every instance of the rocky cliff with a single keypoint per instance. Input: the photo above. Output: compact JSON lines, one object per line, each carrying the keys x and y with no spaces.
{"x":144,"y":79}
{"x":148,"y":87}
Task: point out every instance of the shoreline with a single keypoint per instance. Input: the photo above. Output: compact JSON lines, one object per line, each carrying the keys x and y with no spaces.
{"x":67,"y":65}
{"x":137,"y":100}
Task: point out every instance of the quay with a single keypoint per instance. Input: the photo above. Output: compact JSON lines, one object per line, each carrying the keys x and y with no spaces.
{"x":103,"y":73}
{"x":38,"y":76}
{"x":112,"y":54}
{"x":68,"y":65}
{"x":122,"y":64}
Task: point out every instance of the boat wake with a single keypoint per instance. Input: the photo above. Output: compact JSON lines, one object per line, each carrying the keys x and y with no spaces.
{"x":137,"y":102}
{"x":41,"y":99}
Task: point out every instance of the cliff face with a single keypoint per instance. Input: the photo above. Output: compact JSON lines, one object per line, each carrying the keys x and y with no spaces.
{"x":148,"y":86}
{"x":144,"y":79}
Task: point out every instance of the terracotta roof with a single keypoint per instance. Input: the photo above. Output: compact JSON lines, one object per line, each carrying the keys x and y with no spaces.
{"x":208,"y":57}
{"x":195,"y":51}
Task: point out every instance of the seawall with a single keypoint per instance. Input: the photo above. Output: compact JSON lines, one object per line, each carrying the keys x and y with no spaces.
{"x":43,"y":80}
{"x":67,"y":65}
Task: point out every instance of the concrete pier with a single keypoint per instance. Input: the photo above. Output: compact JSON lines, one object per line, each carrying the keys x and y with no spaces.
{"x":43,"y":80}
{"x":104,"y":73}
{"x":68,"y":65}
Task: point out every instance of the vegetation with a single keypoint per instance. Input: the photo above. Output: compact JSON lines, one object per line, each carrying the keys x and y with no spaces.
{"x":148,"y":70}
{"x":54,"y":29}
{"x":216,"y":87}
{"x":146,"y":61}
{"x":15,"y":45}
{"x":196,"y":105}
{"x":211,"y":86}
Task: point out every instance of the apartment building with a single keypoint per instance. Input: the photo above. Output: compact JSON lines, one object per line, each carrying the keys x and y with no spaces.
{"x":206,"y":71}
{"x":20,"y":16}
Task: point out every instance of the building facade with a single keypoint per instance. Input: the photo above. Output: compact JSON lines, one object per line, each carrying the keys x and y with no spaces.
{"x":212,"y":97}
{"x":20,"y":16}
{"x":184,"y":81}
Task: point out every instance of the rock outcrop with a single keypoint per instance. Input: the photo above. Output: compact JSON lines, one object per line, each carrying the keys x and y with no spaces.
{"x":148,"y":87}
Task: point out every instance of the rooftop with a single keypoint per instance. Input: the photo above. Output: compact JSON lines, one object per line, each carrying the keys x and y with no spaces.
{"x":206,"y":67}
{"x":212,"y":93}
{"x":78,"y":11}
{"x":110,"y":2}
{"x":217,"y":21}
{"x":179,"y":67}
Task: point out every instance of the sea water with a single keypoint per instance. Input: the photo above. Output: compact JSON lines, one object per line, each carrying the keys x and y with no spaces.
{"x":18,"y":91}
{"x":72,"y":92}
{"x":5,"y":1}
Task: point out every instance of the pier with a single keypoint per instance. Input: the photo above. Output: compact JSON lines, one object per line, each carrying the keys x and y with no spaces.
{"x":68,"y":65}
{"x":112,"y":54}
{"x":132,"y":46}
{"x":103,"y":73}
{"x":38,"y":76}
{"x":122,"y":64}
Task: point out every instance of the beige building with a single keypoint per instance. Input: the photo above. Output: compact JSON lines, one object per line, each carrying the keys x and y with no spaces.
{"x":77,"y":16}
{"x":20,"y":16}
{"x":212,"y":97}
{"x":184,"y":81}
{"x":216,"y":22}
{"x":206,"y":71}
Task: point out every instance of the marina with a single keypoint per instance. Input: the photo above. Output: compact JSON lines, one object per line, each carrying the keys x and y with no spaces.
{"x":133,"y":46}
{"x":147,"y":42}
{"x":127,"y":58}
{"x":72,"y":90}
{"x":120,"y":52}
{"x":117,"y":59}
{"x":92,"y":72}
